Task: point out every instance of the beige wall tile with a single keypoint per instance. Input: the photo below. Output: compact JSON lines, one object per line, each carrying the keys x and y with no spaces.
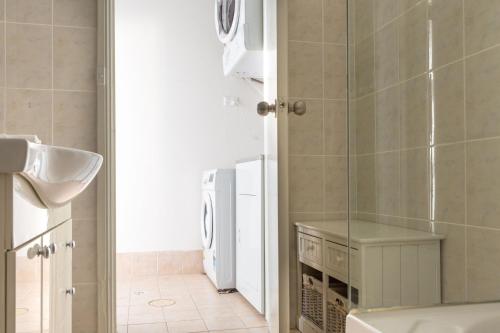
{"x":84,"y":268}
{"x":447,"y":115}
{"x":364,"y":63}
{"x":365,"y":125}
{"x":447,"y":31}
{"x":75,"y":119}
{"x":193,"y":262}
{"x":413,"y":45}
{"x":336,"y":184}
{"x":306,"y":131}
{"x":414,"y":183}
{"x":387,"y":120}
{"x":405,"y":5}
{"x":335,"y":113}
{"x":29,"y":112}
{"x":483,"y":271}
{"x":365,"y":183}
{"x":483,"y":94}
{"x":335,"y":71}
{"x":482,"y":24}
{"x":2,"y":109}
{"x":386,"y":56}
{"x":170,"y":262}
{"x":75,"y":13}
{"x":145,"y":264}
{"x":448,"y":175}
{"x":305,"y":20}
{"x":85,"y":233}
{"x":29,"y":56}
{"x":305,"y":63}
{"x":363,"y":18}
{"x":384,"y":11}
{"x":85,"y":205}
{"x":306,"y":183}
{"x":413,"y":107}
{"x":29,"y":11}
{"x":2,"y":10}
{"x":387,"y":183}
{"x":300,"y":217}
{"x":85,"y":308}
{"x":75,"y":58}
{"x":335,"y":21}
{"x":483,"y":183}
{"x":452,"y":262}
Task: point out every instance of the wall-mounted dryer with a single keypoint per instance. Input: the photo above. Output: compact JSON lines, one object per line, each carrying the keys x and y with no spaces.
{"x":239,"y":25}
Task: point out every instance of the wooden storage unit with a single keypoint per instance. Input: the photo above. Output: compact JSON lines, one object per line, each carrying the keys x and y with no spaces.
{"x":390,"y":266}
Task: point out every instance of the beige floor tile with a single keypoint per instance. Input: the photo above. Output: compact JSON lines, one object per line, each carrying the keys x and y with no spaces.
{"x":148,"y":328}
{"x":145,"y":314}
{"x":211,"y":312}
{"x":143,"y":297}
{"x":224,"y":323}
{"x":254,"y":321}
{"x":180,"y":315}
{"x":186,"y":326}
{"x":122,"y":315}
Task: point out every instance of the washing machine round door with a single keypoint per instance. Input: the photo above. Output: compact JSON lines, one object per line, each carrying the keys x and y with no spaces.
{"x":207,"y":221}
{"x":227,"y":13}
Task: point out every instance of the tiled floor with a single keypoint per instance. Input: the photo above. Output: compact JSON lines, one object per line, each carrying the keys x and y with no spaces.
{"x":198,"y":307}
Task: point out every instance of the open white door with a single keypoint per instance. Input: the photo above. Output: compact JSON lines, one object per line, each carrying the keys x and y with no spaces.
{"x":275,"y":167}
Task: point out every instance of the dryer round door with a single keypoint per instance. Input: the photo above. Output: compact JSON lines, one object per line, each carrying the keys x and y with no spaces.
{"x":227,"y":14}
{"x":207,"y":221}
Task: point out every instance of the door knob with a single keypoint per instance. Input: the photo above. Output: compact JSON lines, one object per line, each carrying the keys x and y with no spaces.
{"x":71,"y":244}
{"x":298,"y":107}
{"x":263,"y":108}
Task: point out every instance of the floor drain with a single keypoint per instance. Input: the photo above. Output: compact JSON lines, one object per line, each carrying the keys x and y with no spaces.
{"x":161,"y":303}
{"x":22,"y":311}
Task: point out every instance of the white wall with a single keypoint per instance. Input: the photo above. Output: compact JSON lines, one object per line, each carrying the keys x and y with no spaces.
{"x":171,"y":122}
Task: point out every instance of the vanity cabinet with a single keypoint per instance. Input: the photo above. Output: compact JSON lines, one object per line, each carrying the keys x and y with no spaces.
{"x":389,"y":265}
{"x":36,"y":265}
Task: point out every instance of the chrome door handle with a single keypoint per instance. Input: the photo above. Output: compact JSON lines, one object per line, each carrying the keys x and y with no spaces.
{"x":71,"y":291}
{"x":298,"y":107}
{"x":263,"y":108}
{"x":71,"y":244}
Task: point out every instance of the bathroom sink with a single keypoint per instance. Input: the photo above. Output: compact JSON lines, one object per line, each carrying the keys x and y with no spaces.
{"x":471,"y":318}
{"x":57,"y":174}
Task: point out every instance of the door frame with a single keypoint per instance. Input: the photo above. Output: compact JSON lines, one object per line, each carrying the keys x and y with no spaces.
{"x":106,"y":180}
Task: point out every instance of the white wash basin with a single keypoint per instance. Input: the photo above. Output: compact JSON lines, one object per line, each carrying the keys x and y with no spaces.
{"x":57,"y":174}
{"x":473,"y":318}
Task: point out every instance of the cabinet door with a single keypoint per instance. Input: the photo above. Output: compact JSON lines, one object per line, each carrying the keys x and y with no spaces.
{"x":57,"y":286}
{"x":24,"y":292}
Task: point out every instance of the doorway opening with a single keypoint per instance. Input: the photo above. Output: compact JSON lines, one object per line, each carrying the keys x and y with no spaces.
{"x":190,"y":187}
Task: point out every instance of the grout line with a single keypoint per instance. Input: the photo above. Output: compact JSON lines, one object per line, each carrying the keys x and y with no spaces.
{"x":465,"y":149}
{"x":51,"y":25}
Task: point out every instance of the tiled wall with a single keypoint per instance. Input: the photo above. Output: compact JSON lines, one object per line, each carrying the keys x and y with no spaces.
{"x":137,"y":264}
{"x":47,"y":80}
{"x":317,"y":140}
{"x":426,"y":111}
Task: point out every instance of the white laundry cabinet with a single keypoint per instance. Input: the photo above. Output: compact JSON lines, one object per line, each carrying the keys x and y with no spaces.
{"x":250,"y":231}
{"x":389,"y":266}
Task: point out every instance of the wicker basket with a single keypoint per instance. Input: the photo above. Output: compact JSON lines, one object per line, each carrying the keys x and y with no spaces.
{"x":312,"y":300}
{"x":336,"y":312}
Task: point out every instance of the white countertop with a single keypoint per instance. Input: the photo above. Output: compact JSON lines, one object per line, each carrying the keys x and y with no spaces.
{"x":369,"y":232}
{"x":473,"y":318}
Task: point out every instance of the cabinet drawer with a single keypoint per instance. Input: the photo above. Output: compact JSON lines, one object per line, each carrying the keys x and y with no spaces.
{"x":310,"y":249}
{"x":337,"y":263}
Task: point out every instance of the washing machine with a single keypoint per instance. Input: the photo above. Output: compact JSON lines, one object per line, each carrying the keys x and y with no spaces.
{"x":239,"y":26}
{"x":218,"y":227}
